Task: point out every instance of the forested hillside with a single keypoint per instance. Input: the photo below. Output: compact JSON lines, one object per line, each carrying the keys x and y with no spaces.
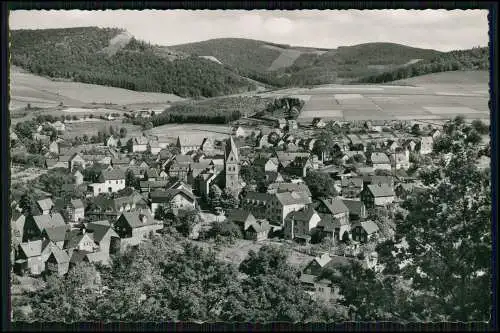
{"x":473,"y":59}
{"x":312,"y":66}
{"x":77,"y":54}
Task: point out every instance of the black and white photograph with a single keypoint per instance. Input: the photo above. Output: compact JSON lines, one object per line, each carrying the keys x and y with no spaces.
{"x":250,"y":166}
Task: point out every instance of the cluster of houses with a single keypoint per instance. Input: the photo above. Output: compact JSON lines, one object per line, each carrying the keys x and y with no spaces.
{"x":112,"y":215}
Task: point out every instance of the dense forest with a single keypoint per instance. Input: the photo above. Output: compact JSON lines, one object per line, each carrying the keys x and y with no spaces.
{"x":77,"y":54}
{"x":474,"y":59}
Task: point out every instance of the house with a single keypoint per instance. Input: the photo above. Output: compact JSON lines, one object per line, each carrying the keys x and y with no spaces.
{"x":76,"y":160}
{"x":334,"y":207}
{"x":152,"y":185}
{"x":110,"y":181}
{"x":56,"y":235}
{"x":298,"y":224}
{"x":35,"y":225}
{"x":153,"y":147}
{"x":357,"y":209}
{"x":286,"y":158}
{"x":299,"y":166}
{"x":335,"y":229}
{"x":120,"y":162}
{"x":258,"y":230}
{"x":435,"y":133}
{"x":323,"y":289}
{"x":364,"y":231}
{"x":426,"y":144}
{"x":105,"y":208}
{"x":377,"y":195}
{"x":179,"y":170}
{"x":138,"y":225}
{"x":75,"y":210}
{"x":410,"y":144}
{"x":151,"y":175}
{"x":78,"y":177}
{"x":112,"y":141}
{"x":274,"y":207}
{"x":17,"y":221}
{"x":264,"y":142}
{"x":139,"y":144}
{"x":318,"y":123}
{"x":376,"y":180}
{"x":45,"y":205}
{"x":29,"y":258}
{"x":241,"y":217}
{"x":380,"y":161}
{"x":281,"y":123}
{"x":281,"y":187}
{"x":268,"y":164}
{"x":355,"y":143}
{"x":59,"y":126}
{"x":57,"y":262}
{"x":187,"y":144}
{"x":104,"y":236}
{"x":402,"y":158}
{"x":175,"y":199}
{"x":54,"y":147}
{"x":79,"y":240}
{"x":392,"y":145}
{"x":274,"y":177}
{"x":351,"y":186}
{"x":403,"y":190}
{"x":240,"y":132}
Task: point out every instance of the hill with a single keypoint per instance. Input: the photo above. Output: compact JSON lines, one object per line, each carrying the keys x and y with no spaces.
{"x":462,"y":60}
{"x":110,"y":57}
{"x":285,"y":65}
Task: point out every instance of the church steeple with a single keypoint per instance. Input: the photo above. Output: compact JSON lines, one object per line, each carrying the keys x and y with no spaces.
{"x":231,"y":166}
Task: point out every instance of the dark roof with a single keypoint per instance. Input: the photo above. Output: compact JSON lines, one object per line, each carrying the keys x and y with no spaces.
{"x":73,"y":237}
{"x":56,"y":234}
{"x":100,"y":230}
{"x":354,"y":206}
{"x":291,"y":187}
{"x":259,"y":226}
{"x":161,"y":196}
{"x":304,"y":214}
{"x":291,"y":198}
{"x":335,"y":206}
{"x":133,"y":219}
{"x":352,"y":181}
{"x":381,"y":190}
{"x":240,"y":215}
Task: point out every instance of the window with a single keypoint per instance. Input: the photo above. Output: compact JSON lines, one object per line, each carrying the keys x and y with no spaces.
{"x":116,"y":182}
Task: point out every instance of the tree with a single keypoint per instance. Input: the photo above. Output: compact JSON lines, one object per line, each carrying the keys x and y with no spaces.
{"x":148,"y":125}
{"x":415,"y":130}
{"x":225,"y":229}
{"x":321,"y":185}
{"x":473,"y":138}
{"x":186,"y":220}
{"x":480,"y":127}
{"x":131,"y":180}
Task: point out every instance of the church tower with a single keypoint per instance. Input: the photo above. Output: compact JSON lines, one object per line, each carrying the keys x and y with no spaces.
{"x":231,"y":165}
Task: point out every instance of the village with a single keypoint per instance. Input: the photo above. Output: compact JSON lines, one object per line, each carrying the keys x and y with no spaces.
{"x":275,"y":181}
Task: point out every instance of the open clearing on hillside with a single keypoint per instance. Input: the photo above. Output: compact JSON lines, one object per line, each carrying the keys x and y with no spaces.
{"x":288,"y":56}
{"x":91,"y":127}
{"x":194,"y":131}
{"x":43,"y":92}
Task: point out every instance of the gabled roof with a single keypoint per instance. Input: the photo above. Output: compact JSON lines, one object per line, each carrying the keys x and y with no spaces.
{"x":153,"y":183}
{"x":290,"y":187}
{"x":291,"y":198}
{"x":48,"y":221}
{"x":375,"y":180}
{"x":73,"y":238}
{"x":381,"y":190}
{"x":60,"y":255}
{"x":183,"y":159}
{"x":161,"y":196}
{"x":100,"y":230}
{"x":114,"y":174}
{"x":151,"y":173}
{"x":32,"y":249}
{"x":56,"y":234}
{"x":259,"y":226}
{"x":354,"y":206}
{"x":335,"y":206}
{"x":45,"y":204}
{"x":133,"y":219}
{"x":369,"y":227}
{"x":240,"y":215}
{"x":140,"y":140}
{"x":304,"y":214}
{"x":77,"y":203}
{"x":189,"y":141}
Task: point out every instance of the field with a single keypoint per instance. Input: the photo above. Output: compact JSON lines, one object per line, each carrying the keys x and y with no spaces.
{"x":196,"y":131}
{"x":436,"y":96}
{"x":287,"y":57}
{"x":91,"y":127}
{"x":43,"y":92}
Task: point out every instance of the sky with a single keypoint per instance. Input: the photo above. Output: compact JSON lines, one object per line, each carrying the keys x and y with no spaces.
{"x":433,"y":29}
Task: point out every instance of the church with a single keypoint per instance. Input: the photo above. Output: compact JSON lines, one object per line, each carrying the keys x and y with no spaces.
{"x":231,"y":167}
